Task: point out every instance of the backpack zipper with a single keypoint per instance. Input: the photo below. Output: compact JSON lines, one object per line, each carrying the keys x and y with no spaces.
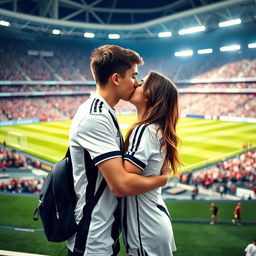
{"x":55,"y":203}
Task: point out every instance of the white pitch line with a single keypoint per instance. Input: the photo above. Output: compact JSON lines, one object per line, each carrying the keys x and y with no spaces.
{"x":24,"y":229}
{"x":212,"y":159}
{"x":11,"y":253}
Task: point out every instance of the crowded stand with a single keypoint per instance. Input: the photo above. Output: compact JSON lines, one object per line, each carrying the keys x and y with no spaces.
{"x":239,"y":105}
{"x":64,"y":61}
{"x":53,"y":60}
{"x":11,"y":163}
{"x":45,"y":108}
{"x":46,"y":88}
{"x":227,"y":175}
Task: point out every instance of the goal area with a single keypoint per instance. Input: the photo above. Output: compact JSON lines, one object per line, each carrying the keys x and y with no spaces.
{"x":17,"y":140}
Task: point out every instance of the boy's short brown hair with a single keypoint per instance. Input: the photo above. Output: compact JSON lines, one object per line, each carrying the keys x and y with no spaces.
{"x":109,"y":59}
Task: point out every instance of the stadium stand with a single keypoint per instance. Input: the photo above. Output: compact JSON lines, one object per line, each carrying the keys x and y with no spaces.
{"x":51,"y":60}
{"x":227,"y":175}
{"x":15,"y":172}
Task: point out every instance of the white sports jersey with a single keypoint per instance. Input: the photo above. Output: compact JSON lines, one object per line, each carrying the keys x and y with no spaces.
{"x":250,"y":250}
{"x":146,"y":223}
{"x":94,"y":138}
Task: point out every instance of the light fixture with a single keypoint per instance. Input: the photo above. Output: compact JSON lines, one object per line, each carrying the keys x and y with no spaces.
{"x":4,"y":23}
{"x":229,"y":23}
{"x":113,"y":36}
{"x":191,"y":30}
{"x":205,"y":51}
{"x":89,"y":35}
{"x":165,"y":34}
{"x":184,"y":53}
{"x":234,"y":47}
{"x":56,"y":31}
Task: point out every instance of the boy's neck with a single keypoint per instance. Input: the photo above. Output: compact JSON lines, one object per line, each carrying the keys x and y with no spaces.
{"x":107,"y":95}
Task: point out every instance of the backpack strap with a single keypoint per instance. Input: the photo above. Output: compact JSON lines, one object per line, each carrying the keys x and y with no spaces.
{"x":68,"y":153}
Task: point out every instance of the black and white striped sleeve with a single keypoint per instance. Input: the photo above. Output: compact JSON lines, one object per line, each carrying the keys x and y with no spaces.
{"x":139,"y":146}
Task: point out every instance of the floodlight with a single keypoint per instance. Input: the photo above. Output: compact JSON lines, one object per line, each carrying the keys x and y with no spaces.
{"x":165,"y":34}
{"x":184,"y":53}
{"x":234,"y":47}
{"x":4,"y":23}
{"x":205,"y":51}
{"x":89,"y":35}
{"x":191,"y":30}
{"x":56,"y":31}
{"x":229,"y":23}
{"x":113,"y":36}
{"x":252,"y":45}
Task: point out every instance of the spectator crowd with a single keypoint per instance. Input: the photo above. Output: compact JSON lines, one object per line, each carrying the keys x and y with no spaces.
{"x":226,"y":175}
{"x":10,"y":160}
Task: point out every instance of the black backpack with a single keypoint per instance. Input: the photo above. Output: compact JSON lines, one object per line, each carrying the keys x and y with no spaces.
{"x":57,"y":202}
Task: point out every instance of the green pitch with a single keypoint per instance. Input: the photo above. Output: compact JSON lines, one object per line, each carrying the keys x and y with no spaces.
{"x":203,"y":141}
{"x":194,"y":237}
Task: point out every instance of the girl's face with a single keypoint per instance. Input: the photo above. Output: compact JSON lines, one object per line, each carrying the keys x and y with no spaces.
{"x":138,"y":99}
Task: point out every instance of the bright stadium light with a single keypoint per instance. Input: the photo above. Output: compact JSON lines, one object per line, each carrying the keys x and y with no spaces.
{"x":113,"y":36}
{"x":229,"y":23}
{"x":89,"y":35}
{"x":56,"y":31}
{"x":191,"y":30}
{"x":165,"y":34}
{"x":184,"y":53}
{"x":4,"y":23}
{"x":204,"y":51}
{"x":234,"y":47}
{"x":252,"y":45}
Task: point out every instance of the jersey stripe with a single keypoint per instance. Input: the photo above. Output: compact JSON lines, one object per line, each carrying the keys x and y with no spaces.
{"x":138,"y":220}
{"x":134,"y":138}
{"x":100,"y":107}
{"x":137,"y":138}
{"x":124,"y":220}
{"x":92,"y":105}
{"x":116,"y":229}
{"x":119,"y":132}
{"x":91,"y":173}
{"x":106,"y":156}
{"x":164,"y":210}
{"x":95,"y":105}
{"x":135,"y":161}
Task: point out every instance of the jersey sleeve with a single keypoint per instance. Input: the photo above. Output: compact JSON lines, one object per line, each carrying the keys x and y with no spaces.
{"x":97,"y":136}
{"x":140,"y":145}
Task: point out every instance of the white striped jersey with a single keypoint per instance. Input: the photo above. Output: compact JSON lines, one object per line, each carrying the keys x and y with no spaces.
{"x":146,"y":223}
{"x":94,"y":137}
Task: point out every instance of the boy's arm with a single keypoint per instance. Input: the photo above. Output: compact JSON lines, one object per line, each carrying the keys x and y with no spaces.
{"x":123,"y":183}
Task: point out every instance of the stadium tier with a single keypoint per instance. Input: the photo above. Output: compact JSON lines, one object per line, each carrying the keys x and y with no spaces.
{"x":48,"y":79}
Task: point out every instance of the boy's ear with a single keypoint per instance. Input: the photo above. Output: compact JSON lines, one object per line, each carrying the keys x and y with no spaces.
{"x":115,"y":79}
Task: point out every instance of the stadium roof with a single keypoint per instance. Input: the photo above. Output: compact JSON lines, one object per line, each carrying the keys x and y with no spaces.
{"x":129,"y":19}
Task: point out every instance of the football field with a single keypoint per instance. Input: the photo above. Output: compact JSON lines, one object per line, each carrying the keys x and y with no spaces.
{"x":202,"y":141}
{"x":193,"y":234}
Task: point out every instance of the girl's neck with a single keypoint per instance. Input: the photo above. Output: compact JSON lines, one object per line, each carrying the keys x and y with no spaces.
{"x":140,"y":113}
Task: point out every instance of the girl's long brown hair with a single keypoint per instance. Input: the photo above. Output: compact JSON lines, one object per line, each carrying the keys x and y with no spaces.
{"x":162,"y":109}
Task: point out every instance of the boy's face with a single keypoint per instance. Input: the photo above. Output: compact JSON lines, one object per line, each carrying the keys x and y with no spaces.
{"x":129,"y":83}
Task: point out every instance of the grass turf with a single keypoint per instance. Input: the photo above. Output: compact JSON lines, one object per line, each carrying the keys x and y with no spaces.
{"x":203,"y":141}
{"x":191,"y":238}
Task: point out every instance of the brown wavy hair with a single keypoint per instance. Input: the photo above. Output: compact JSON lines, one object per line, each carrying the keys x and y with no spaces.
{"x":162,"y":109}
